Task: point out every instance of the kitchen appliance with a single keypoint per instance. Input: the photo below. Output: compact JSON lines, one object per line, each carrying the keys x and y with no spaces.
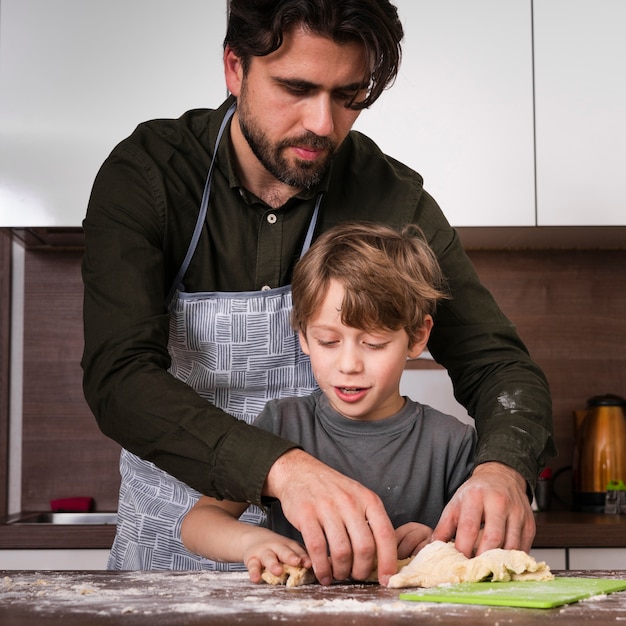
{"x":599,"y":451}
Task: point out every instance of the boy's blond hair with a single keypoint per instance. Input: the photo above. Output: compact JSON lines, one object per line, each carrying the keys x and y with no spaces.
{"x":391,"y":278}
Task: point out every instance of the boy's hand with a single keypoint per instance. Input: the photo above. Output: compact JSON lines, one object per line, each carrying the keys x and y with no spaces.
{"x":411,"y":538}
{"x":270,"y":553}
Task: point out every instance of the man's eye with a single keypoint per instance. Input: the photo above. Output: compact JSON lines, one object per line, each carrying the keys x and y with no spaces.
{"x":343,"y":96}
{"x":297,"y":90}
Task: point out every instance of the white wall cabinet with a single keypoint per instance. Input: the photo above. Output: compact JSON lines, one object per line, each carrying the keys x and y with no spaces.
{"x":555,"y":558}
{"x":76,"y":77}
{"x":582,"y":558}
{"x":433,"y":387}
{"x":461,"y":110}
{"x":580,"y":60}
{"x":53,"y":559}
{"x":597,"y":558}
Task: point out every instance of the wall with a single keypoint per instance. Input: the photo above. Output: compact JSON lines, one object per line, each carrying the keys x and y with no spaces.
{"x":568,"y":305}
{"x":570,"y":308}
{"x":63,"y":454}
{"x":5,"y":342}
{"x":77,"y":76}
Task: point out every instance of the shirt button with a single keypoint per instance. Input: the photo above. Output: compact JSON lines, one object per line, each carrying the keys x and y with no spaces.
{"x":271,"y":218}
{"x":265,"y":288}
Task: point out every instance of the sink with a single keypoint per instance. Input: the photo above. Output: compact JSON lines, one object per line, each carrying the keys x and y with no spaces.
{"x":62,"y":518}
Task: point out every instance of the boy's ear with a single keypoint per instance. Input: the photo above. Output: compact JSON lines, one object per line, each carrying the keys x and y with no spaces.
{"x":422,"y":338}
{"x":304,"y":344}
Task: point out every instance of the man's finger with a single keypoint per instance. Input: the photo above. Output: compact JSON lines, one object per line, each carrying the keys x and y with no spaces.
{"x":317,"y":549}
{"x":386,"y":546}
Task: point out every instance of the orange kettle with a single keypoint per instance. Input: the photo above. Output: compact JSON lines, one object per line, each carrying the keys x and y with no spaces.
{"x":599,"y":450}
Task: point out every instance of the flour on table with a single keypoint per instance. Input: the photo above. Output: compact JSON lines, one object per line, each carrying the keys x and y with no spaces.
{"x":441,"y":563}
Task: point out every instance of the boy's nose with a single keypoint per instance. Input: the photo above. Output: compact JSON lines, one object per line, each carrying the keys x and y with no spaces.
{"x":349,"y":360}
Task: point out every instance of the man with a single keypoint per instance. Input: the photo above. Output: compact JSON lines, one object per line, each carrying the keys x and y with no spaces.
{"x":166,"y":256}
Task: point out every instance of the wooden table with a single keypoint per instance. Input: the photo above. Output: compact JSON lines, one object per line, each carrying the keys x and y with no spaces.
{"x":208,"y":598}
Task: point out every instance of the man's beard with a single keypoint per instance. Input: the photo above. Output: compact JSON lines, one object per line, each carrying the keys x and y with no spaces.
{"x":301,"y":175}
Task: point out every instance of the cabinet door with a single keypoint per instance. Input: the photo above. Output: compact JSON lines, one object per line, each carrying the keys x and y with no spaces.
{"x":76,"y":77}
{"x":53,"y":559}
{"x":580,"y":61}
{"x":461,"y":111}
{"x":597,"y":558}
{"x":553,"y":557}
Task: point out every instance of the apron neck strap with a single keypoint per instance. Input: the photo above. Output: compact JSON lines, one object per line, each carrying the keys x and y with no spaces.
{"x":309,"y":234}
{"x":204,"y":204}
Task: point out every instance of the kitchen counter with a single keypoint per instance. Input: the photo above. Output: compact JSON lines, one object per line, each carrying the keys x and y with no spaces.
{"x":207,"y":598}
{"x":565,"y":529}
{"x":554,"y":530}
{"x":56,"y":537}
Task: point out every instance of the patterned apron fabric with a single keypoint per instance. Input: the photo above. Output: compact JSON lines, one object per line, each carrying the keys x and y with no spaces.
{"x":237,"y":351}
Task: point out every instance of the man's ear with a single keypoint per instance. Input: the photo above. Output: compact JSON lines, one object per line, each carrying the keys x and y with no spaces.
{"x":233,"y":71}
{"x":304,"y":344}
{"x":419,"y":345}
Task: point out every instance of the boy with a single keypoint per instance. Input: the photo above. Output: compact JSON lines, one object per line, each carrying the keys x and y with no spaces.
{"x":364,"y":296}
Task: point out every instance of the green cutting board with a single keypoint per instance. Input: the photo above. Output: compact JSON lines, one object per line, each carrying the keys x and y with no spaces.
{"x":529,"y":594}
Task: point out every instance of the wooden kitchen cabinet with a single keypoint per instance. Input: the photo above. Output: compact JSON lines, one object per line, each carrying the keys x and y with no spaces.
{"x":461,"y":110}
{"x":580,"y":64}
{"x":77,"y":77}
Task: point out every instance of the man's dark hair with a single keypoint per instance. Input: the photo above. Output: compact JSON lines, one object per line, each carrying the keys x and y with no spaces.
{"x":257,"y":27}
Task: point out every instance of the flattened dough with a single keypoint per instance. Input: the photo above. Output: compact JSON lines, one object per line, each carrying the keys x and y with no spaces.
{"x":441,"y":563}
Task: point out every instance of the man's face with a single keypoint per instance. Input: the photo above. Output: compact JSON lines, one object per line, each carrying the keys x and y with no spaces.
{"x":291,"y":106}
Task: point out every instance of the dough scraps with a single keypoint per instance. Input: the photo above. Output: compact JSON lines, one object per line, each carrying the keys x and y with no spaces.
{"x":296,"y":576}
{"x":441,"y":563}
{"x":291,"y":576}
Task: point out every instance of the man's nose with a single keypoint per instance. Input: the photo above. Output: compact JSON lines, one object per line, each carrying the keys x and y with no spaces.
{"x":319,"y":115}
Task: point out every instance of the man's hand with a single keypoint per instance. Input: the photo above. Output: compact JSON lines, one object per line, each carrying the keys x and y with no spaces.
{"x":336,"y":515}
{"x":492,"y":499}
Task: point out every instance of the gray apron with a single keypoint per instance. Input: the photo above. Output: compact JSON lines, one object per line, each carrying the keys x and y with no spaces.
{"x":237,"y":350}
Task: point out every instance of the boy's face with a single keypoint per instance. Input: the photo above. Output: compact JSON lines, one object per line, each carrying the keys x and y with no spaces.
{"x":358,"y":371}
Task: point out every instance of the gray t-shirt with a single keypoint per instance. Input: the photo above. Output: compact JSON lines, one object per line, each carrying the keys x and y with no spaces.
{"x":414,"y":460}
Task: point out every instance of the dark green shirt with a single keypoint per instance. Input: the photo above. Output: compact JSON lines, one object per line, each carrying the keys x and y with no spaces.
{"x":139,"y":222}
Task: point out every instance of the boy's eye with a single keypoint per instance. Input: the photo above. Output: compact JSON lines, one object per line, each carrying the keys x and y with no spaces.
{"x":327,"y":343}
{"x":375,"y":346}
